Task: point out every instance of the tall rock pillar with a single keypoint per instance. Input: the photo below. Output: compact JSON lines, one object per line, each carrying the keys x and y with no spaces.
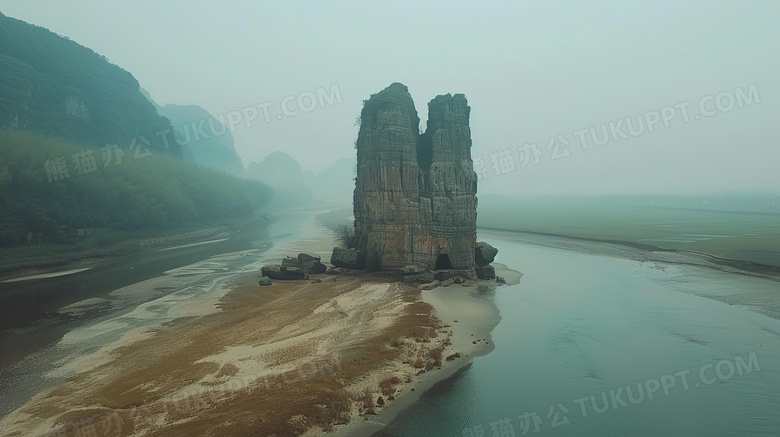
{"x":386,"y":188}
{"x":415,"y":195}
{"x":448,"y":199}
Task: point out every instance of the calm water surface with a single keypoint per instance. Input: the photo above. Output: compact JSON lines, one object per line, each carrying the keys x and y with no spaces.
{"x":600,"y":346}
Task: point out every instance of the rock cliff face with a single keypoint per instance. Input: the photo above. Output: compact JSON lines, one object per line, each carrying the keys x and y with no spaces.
{"x":415,"y":194}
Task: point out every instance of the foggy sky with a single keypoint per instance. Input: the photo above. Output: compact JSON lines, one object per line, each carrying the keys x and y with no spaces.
{"x":531,"y":71}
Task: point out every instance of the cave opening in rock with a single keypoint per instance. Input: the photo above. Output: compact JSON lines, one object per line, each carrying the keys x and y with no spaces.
{"x":443,"y":262}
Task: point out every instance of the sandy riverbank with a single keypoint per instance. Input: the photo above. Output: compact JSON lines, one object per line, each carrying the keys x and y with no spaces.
{"x":296,"y":357}
{"x":470,"y":317}
{"x":273,"y":361}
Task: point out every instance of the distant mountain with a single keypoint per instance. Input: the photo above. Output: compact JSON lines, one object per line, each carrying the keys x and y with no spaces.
{"x":284,"y":175}
{"x":335,"y":183}
{"x":215,"y":149}
{"x":53,"y":86}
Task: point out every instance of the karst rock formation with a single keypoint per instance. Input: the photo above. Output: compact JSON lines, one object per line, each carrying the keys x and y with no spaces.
{"x":415,"y":197}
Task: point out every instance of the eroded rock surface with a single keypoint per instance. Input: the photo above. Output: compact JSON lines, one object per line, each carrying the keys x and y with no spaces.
{"x":415,"y":197}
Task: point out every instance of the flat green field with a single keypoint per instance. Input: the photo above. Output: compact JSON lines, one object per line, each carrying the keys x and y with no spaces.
{"x":745,"y":228}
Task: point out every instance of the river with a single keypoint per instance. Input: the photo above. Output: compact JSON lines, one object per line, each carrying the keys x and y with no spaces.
{"x":596,"y":345}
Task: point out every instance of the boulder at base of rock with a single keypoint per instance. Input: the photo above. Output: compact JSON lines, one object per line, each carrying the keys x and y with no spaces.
{"x":443,"y":275}
{"x":466,"y":274}
{"x":413,"y":274}
{"x":484,"y":254}
{"x":420,"y":278}
{"x":412,"y":270}
{"x":347,"y":258}
{"x":486,"y":272}
{"x":277,"y":271}
{"x":264,"y":281}
{"x":311,"y":264}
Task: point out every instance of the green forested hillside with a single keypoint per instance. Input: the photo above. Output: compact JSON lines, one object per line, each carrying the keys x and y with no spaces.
{"x":56,"y":87}
{"x":87,"y":165}
{"x":141,"y":195}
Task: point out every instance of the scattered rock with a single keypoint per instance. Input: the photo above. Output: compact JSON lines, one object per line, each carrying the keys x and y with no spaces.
{"x":317,"y":281}
{"x":295,"y":268}
{"x":277,"y":271}
{"x":484,"y":254}
{"x":500,"y":280}
{"x":310,"y":264}
{"x":342,"y":271}
{"x":380,"y":401}
{"x":264,"y":281}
